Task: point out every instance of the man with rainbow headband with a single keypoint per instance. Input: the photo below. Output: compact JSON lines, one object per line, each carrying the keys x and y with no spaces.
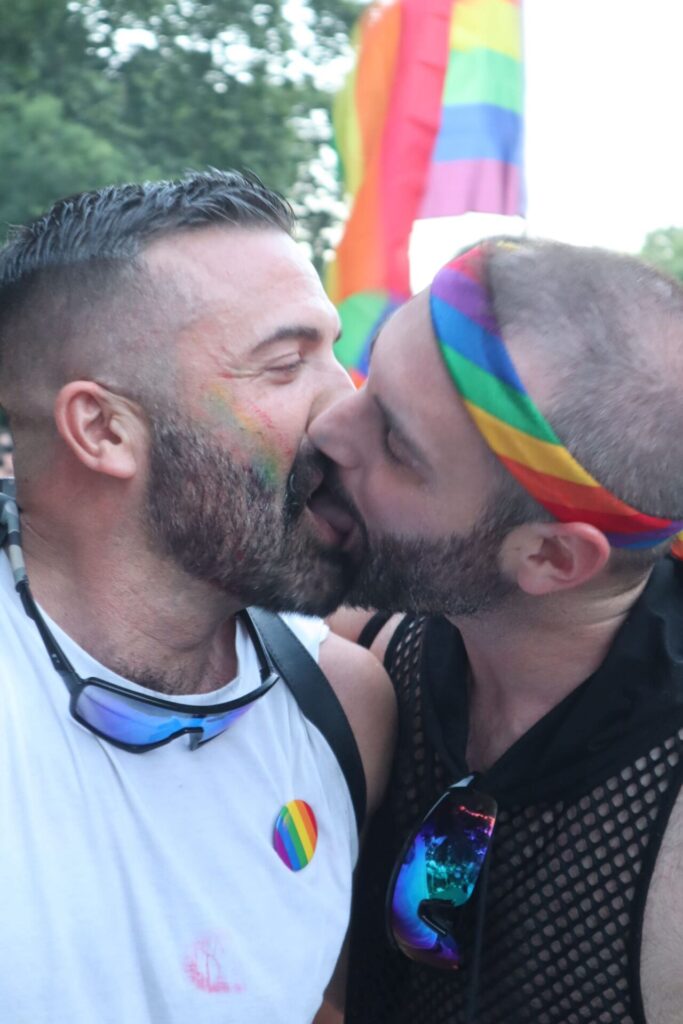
{"x":517,"y":489}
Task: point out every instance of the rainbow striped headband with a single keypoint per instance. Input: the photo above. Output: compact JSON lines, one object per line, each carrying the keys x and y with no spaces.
{"x":511,"y":424}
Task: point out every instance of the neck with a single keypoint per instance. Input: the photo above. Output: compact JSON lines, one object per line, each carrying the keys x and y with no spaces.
{"x":525,"y":659}
{"x":135,"y":612}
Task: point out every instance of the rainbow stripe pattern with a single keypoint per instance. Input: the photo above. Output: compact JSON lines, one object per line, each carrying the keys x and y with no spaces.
{"x":428,"y":124}
{"x":477,"y":158}
{"x":512,"y":425}
{"x":295,"y":835}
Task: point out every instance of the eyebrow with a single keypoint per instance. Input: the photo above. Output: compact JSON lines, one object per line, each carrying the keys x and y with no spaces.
{"x":394,"y":424}
{"x":299,"y":332}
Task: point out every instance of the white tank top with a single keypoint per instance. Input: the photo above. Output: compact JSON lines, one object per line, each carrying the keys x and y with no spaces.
{"x":148,"y":888}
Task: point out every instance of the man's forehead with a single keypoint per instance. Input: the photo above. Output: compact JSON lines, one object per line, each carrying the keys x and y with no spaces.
{"x":217,"y":250}
{"x":409,"y":375}
{"x":245,"y":287}
{"x":409,"y":326}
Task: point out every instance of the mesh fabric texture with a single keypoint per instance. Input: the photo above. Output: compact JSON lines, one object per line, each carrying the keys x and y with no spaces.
{"x":568,"y":874}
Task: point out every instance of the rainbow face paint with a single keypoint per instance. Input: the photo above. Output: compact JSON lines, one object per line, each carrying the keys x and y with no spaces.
{"x":255,"y":429}
{"x":512,"y":425}
{"x":295,"y":835}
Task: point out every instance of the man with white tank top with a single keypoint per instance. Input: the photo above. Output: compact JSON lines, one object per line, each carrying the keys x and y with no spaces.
{"x":177,"y":831}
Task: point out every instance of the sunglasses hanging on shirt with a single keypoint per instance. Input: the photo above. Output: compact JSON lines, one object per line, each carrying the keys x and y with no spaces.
{"x":127,"y":719}
{"x":435,"y":876}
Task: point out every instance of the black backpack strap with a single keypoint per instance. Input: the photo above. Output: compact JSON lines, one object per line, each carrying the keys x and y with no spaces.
{"x":317,"y":700}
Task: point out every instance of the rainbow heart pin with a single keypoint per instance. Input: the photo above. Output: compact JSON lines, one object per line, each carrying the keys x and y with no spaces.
{"x":295,"y":835}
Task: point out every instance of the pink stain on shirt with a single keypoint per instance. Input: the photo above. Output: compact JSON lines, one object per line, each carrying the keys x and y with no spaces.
{"x":204,"y":966}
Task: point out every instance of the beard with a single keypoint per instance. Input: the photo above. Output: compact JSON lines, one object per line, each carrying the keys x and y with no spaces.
{"x":232,"y":526}
{"x":456,"y":576}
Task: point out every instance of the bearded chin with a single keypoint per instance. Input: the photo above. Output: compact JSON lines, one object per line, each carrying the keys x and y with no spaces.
{"x":456,"y":576}
{"x":230,"y":526}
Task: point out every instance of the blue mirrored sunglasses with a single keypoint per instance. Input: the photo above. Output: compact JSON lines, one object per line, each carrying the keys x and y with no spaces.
{"x":130,"y":720}
{"x":435,"y":875}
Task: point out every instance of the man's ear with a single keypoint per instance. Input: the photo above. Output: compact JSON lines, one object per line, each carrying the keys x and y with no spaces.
{"x":548,"y":557}
{"x":102,"y":429}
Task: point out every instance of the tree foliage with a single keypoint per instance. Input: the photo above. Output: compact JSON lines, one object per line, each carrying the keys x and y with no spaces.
{"x":99,"y":91}
{"x":664,"y":249}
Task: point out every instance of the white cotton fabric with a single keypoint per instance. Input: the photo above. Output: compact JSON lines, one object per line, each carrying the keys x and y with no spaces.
{"x":145,"y":888}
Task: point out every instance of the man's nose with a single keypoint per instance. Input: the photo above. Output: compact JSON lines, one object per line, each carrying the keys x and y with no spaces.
{"x":333,"y":430}
{"x":336,"y":384}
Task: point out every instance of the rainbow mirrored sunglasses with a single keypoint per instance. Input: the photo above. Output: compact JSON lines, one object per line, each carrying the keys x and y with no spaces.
{"x":127,"y":719}
{"x":509,"y":421}
{"x":436,"y":874}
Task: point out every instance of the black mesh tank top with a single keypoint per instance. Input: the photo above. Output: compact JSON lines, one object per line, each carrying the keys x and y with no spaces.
{"x":584,"y":798}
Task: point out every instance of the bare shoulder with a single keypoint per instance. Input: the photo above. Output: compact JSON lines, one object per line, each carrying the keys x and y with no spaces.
{"x":662,"y":949}
{"x":367,"y":697}
{"x":349,"y":623}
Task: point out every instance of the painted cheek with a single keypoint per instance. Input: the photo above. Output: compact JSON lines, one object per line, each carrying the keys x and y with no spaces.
{"x":254,"y":438}
{"x":275,"y":435}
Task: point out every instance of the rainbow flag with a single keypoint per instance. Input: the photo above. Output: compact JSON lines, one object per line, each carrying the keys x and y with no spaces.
{"x":477,"y":158}
{"x":429,"y":124}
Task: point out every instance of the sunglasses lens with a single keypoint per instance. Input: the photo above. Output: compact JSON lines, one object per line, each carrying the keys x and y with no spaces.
{"x":212,"y":725}
{"x":128,"y":721}
{"x":437,"y":874}
{"x":138,"y":724}
{"x":132,"y":721}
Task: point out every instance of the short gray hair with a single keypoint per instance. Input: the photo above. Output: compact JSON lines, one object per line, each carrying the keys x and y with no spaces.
{"x":608,"y":332}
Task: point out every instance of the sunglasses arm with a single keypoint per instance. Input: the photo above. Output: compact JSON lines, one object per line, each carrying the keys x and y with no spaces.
{"x":9,"y":518}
